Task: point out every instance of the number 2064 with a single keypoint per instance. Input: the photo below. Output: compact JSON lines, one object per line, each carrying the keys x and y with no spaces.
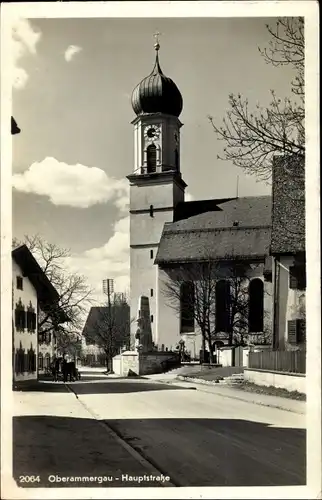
{"x":29,"y":479}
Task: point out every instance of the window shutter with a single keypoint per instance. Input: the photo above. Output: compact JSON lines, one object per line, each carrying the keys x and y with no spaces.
{"x":17,"y":318}
{"x":25,"y":363}
{"x":34,"y":322}
{"x":301,"y":330}
{"x":292,"y":331}
{"x":293,"y":281}
{"x":16,"y":363}
{"x":301,"y":278}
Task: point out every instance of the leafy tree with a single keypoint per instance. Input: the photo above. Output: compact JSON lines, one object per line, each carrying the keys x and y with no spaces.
{"x":254,"y":136}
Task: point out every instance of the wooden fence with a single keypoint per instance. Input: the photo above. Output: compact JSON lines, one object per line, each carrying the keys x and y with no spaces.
{"x":280,"y":361}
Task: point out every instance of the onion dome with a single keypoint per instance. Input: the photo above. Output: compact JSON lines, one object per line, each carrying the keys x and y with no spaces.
{"x":157,"y":93}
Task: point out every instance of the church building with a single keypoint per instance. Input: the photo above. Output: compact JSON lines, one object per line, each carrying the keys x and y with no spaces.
{"x":166,"y":232}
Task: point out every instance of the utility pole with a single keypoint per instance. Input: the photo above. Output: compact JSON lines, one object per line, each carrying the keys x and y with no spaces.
{"x":108,"y":289}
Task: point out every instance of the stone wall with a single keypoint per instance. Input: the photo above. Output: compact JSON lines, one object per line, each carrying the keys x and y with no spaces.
{"x":289,"y":381}
{"x":147,"y":363}
{"x":158,"y":362}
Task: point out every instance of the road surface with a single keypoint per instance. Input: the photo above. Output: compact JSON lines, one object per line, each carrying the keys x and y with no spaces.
{"x":193,"y":437}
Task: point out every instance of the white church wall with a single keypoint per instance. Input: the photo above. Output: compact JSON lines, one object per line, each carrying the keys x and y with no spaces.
{"x":146,"y":229}
{"x":160,"y":195}
{"x":168,"y":323}
{"x":142,"y":281}
{"x":168,"y":318}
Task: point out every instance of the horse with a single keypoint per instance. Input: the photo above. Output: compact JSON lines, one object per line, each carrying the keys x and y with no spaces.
{"x":70,"y":371}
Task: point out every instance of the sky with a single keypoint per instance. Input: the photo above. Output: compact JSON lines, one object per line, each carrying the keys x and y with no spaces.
{"x":72,"y":86}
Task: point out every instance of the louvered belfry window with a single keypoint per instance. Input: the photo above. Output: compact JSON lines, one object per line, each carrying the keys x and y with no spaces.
{"x":151,"y":154}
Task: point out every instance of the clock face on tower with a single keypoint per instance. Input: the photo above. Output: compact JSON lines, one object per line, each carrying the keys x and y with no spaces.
{"x":152,"y":132}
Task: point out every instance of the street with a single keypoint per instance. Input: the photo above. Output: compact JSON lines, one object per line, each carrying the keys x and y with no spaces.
{"x":117,"y":427}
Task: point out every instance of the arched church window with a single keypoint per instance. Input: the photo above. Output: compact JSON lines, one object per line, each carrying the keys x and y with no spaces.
{"x":223,"y":301}
{"x":256,"y":305}
{"x":151,"y":155}
{"x":187,"y":307}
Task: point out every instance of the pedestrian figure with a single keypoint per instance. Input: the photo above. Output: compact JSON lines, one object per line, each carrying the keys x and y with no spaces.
{"x":64,"y":369}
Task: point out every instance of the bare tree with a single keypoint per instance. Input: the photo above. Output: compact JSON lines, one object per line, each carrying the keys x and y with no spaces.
{"x":111,"y":329}
{"x":229,"y":315}
{"x":197,"y":301}
{"x":254,"y":137}
{"x":74,"y":293}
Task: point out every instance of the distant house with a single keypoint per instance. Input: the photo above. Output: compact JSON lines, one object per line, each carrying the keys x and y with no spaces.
{"x":288,"y":251}
{"x":96,"y":327}
{"x":46,"y":350}
{"x":31,"y":292}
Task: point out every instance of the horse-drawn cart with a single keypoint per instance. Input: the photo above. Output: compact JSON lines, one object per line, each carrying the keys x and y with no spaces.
{"x":62,"y":370}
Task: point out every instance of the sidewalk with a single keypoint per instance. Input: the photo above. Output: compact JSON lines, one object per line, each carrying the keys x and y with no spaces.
{"x":54,"y":434}
{"x":229,"y":392}
{"x":250,"y":397}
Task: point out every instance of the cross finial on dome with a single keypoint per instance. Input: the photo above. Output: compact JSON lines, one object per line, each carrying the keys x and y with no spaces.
{"x":157,"y":44}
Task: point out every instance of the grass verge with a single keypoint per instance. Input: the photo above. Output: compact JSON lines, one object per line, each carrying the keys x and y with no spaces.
{"x":270,"y":391}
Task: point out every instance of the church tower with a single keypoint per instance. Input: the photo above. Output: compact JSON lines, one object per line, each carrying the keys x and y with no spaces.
{"x":156,"y":186}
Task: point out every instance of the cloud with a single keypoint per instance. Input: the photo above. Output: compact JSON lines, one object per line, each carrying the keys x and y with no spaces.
{"x":72,"y":185}
{"x":24,"y":41}
{"x":188,"y":197}
{"x":109,"y":261}
{"x":71,"y":51}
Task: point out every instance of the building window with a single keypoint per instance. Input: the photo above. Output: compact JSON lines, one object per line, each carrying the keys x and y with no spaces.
{"x":19,"y":283}
{"x":296,"y":331}
{"x":20,"y":316}
{"x":151,"y":155}
{"x":31,"y":319}
{"x":151,"y":292}
{"x":40,"y":361}
{"x":223,"y":302}
{"x":151,"y":318}
{"x":297,"y":277}
{"x":187,"y":307}
{"x":151,"y":210}
{"x":151,"y":254}
{"x":256,"y":306}
{"x":47,"y":361}
{"x":31,"y":359}
{"x":20,"y":360}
